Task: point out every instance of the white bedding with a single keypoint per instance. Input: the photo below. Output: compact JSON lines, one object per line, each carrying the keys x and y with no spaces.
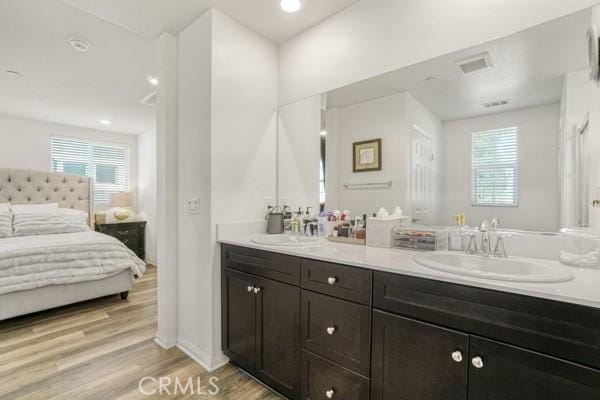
{"x":30,"y":262}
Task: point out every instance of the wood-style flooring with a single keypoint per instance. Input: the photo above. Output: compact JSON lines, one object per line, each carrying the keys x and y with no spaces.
{"x":100,"y":349}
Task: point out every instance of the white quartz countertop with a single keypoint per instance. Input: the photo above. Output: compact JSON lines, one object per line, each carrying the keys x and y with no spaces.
{"x":584,"y":289}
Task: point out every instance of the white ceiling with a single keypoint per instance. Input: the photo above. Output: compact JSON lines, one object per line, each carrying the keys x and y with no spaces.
{"x":61,"y":85}
{"x":149,"y":18}
{"x":528,"y":69}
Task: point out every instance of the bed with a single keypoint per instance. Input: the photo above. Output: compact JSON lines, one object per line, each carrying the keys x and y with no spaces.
{"x":46,"y":271}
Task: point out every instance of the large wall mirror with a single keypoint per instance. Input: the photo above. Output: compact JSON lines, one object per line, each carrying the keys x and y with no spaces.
{"x":501,"y":129}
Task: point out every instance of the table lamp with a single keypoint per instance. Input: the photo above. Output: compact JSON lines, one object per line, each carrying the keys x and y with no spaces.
{"x":121,"y":201}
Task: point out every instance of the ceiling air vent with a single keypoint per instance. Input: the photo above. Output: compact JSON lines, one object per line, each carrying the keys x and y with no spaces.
{"x":498,"y":103}
{"x":474,"y":64}
{"x":149,"y":100}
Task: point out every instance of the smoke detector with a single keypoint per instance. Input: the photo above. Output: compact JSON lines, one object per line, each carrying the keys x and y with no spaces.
{"x":149,"y":100}
{"x":79,"y":45}
{"x":497,"y":103}
{"x":478,"y":63}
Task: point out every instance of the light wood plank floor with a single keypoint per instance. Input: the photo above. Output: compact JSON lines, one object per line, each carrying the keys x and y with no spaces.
{"x":100,"y":349}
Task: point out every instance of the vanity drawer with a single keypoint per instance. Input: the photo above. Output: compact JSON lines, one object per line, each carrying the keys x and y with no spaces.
{"x":338,"y":330}
{"x":322,"y":379}
{"x":341,"y":281}
{"x":274,"y":266}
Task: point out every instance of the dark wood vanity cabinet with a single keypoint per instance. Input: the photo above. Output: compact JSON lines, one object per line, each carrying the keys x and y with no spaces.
{"x":415,"y":360}
{"x":315,"y":330}
{"x":261,"y":329}
{"x":512,"y":373}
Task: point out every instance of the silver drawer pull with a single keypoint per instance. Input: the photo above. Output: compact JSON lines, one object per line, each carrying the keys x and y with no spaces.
{"x":329,"y":393}
{"x":477,"y":362}
{"x":457,"y":356}
{"x":256,"y":290}
{"x":250,"y":289}
{"x":331,"y":330}
{"x":332,"y":280}
{"x":123,"y":232}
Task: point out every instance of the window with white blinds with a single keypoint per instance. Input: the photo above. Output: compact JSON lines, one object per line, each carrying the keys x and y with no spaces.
{"x":106,"y":164}
{"x":495,"y":167}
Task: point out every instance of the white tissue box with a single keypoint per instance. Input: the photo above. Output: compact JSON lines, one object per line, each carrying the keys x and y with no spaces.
{"x":379,"y":230}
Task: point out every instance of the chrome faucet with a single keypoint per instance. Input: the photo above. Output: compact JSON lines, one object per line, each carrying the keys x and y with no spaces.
{"x":485,"y":228}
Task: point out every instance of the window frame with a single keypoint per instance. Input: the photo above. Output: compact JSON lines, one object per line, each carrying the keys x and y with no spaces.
{"x":495,"y":166}
{"x":91,"y":142}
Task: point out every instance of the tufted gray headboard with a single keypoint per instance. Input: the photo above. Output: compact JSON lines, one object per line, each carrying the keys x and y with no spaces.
{"x":19,"y":186}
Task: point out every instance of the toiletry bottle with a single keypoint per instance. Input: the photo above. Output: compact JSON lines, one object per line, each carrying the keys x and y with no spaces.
{"x":456,"y":234}
{"x":287,"y":220}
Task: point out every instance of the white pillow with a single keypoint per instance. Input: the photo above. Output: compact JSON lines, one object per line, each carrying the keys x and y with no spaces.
{"x":61,"y":220}
{"x":5,"y":221}
{"x":33,"y":208}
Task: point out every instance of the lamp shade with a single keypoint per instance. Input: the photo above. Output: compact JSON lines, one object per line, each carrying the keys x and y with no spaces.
{"x":121,"y":199}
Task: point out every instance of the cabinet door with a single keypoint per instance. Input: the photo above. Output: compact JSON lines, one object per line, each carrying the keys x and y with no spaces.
{"x":239,"y":318}
{"x":414,"y":360}
{"x":503,"y":372}
{"x":278,"y":336}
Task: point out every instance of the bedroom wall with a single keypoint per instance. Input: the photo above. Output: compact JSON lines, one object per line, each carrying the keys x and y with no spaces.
{"x":146,"y":188}
{"x":26,"y":143}
{"x":372,"y":37}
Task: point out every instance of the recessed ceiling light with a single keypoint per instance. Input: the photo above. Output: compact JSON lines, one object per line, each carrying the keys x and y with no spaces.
{"x":104,"y":121}
{"x":290,"y":5}
{"x":153,"y":80}
{"x":12,"y":73}
{"x":79,"y":45}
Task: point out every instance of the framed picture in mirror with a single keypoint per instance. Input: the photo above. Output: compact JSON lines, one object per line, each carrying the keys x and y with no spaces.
{"x":366,"y":155}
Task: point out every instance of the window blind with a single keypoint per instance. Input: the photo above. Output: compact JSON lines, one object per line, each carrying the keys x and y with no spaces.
{"x":106,"y":164}
{"x":495,"y":167}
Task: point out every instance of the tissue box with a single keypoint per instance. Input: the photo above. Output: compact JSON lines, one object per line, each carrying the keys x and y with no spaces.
{"x":379,"y":230}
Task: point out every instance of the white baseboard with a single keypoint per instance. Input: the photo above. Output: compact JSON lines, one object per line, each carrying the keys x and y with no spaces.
{"x":201,"y":357}
{"x":164,"y":342}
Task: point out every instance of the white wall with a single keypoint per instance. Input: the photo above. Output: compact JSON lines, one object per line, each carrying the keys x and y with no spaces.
{"x":594,"y":144}
{"x":539,"y":208}
{"x":195,"y":240}
{"x":166,"y":185}
{"x":383,"y":118}
{"x":26,"y":143}
{"x":227,"y":158}
{"x":300,"y":153}
{"x":146,"y":189}
{"x":391,"y":119}
{"x":576,"y":102}
{"x":377,"y":36}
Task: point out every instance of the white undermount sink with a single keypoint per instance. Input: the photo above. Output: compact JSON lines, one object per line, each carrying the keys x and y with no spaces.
{"x":288,"y":240}
{"x":500,"y":269}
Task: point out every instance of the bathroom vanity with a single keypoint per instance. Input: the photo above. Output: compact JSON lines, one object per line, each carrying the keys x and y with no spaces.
{"x":312,"y":328}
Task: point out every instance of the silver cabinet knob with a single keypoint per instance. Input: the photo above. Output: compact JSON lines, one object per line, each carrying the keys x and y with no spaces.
{"x":250,"y":289}
{"x":256,"y":290}
{"x":329,"y":393}
{"x":332,"y":280}
{"x":457,"y":356}
{"x":331,"y":330}
{"x":477,"y":362}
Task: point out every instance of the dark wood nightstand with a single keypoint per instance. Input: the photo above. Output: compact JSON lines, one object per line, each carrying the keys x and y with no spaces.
{"x":131,"y":233}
